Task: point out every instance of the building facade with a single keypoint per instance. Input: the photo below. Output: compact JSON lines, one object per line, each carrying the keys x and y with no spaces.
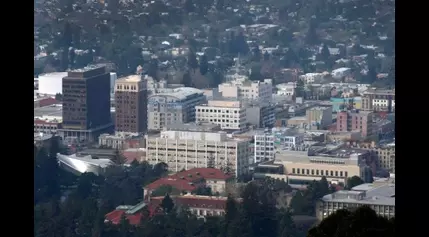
{"x":260,"y":115}
{"x":381,"y":199}
{"x":264,"y":147}
{"x":131,"y":105}
{"x":353,"y":120}
{"x":379,"y":100}
{"x":319,"y":117}
{"x":175,"y":106}
{"x":242,"y":88}
{"x":228,"y":114}
{"x":86,"y":98}
{"x":194,"y":146}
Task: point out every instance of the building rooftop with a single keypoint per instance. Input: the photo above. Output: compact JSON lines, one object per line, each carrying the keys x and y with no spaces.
{"x":185,"y":180}
{"x":87,"y":68}
{"x":51,"y":110}
{"x":131,"y":78}
{"x":42,"y":137}
{"x":194,"y":127}
{"x":365,"y":194}
{"x":180,"y":93}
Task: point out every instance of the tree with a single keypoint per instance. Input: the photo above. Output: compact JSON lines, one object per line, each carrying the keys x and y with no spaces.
{"x":266,"y":56}
{"x":353,"y":182}
{"x":361,"y":222}
{"x":167,"y":204}
{"x":204,"y":65}
{"x":204,"y":191}
{"x":187,"y":79}
{"x":152,"y":70}
{"x":325,"y":54}
{"x":192,"y":60}
{"x":118,"y":157}
{"x":164,"y":190}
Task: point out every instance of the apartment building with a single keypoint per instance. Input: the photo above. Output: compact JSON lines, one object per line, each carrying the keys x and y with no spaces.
{"x":380,"y":198}
{"x":354,"y":120}
{"x":131,"y":104}
{"x":229,"y":114}
{"x":385,"y":156}
{"x":379,"y":100}
{"x":264,"y":147}
{"x":242,"y":88}
{"x":319,"y":117}
{"x":266,"y":142}
{"x":173,"y":106}
{"x":187,"y":146}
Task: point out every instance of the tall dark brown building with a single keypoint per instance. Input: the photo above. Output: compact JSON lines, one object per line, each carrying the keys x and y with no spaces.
{"x":131,"y":104}
{"x":86,"y":98}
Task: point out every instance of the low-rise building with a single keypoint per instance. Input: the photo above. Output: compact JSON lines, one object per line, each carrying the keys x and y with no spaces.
{"x":380,"y":198}
{"x":336,"y":162}
{"x":187,"y":146}
{"x":189,"y":180}
{"x":379,"y":100}
{"x":319,"y":117}
{"x":121,"y":140}
{"x":201,"y":206}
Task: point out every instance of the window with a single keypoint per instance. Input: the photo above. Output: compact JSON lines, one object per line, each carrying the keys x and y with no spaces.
{"x":341,"y":173}
{"x":308,"y":171}
{"x":293,"y":170}
{"x":312,"y":172}
{"x":346,"y":174}
{"x":336,"y":173}
{"x":297,"y":171}
{"x":332,"y":173}
{"x":317,"y":172}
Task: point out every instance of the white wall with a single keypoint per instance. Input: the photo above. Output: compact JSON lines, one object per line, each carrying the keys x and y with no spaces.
{"x":51,"y":83}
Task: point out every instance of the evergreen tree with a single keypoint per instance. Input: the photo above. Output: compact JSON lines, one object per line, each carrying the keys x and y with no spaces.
{"x":167,"y":204}
{"x":325,"y":54}
{"x":192,"y":60}
{"x":204,"y":65}
{"x":187,"y":79}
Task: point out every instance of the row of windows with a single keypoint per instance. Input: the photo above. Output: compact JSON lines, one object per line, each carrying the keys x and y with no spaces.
{"x":217,"y":111}
{"x":320,"y":172}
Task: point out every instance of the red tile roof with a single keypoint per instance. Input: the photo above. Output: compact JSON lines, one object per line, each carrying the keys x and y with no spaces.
{"x":177,"y":183}
{"x":188,"y":180}
{"x":47,"y":102}
{"x":206,"y":173}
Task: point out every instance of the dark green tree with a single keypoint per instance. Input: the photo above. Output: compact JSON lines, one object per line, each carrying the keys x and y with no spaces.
{"x":204,"y":65}
{"x":187,"y":79}
{"x":324,"y":53}
{"x":167,"y":204}
{"x":192,"y":60}
{"x":353,"y":182}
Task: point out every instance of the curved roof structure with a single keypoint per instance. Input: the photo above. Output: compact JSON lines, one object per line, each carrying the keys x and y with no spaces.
{"x":84,"y":164}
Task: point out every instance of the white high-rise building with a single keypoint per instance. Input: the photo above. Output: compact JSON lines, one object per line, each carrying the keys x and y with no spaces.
{"x":230,"y":114}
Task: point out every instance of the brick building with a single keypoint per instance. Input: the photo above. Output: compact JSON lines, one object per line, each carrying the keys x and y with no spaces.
{"x":353,"y":120}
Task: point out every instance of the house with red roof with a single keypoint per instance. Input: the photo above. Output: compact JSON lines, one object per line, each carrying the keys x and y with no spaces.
{"x":201,"y":206}
{"x":189,"y":180}
{"x":133,"y":214}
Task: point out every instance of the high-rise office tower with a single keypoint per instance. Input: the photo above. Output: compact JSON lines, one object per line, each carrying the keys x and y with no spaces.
{"x":131,"y":104}
{"x":86,"y":99}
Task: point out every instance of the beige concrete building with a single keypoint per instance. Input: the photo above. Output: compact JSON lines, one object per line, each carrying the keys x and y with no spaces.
{"x":298,"y":168}
{"x":385,"y":156}
{"x":229,"y":114}
{"x":319,"y":117}
{"x":243,"y":88}
{"x":380,"y":198}
{"x":173,"y":106}
{"x":187,"y":146}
